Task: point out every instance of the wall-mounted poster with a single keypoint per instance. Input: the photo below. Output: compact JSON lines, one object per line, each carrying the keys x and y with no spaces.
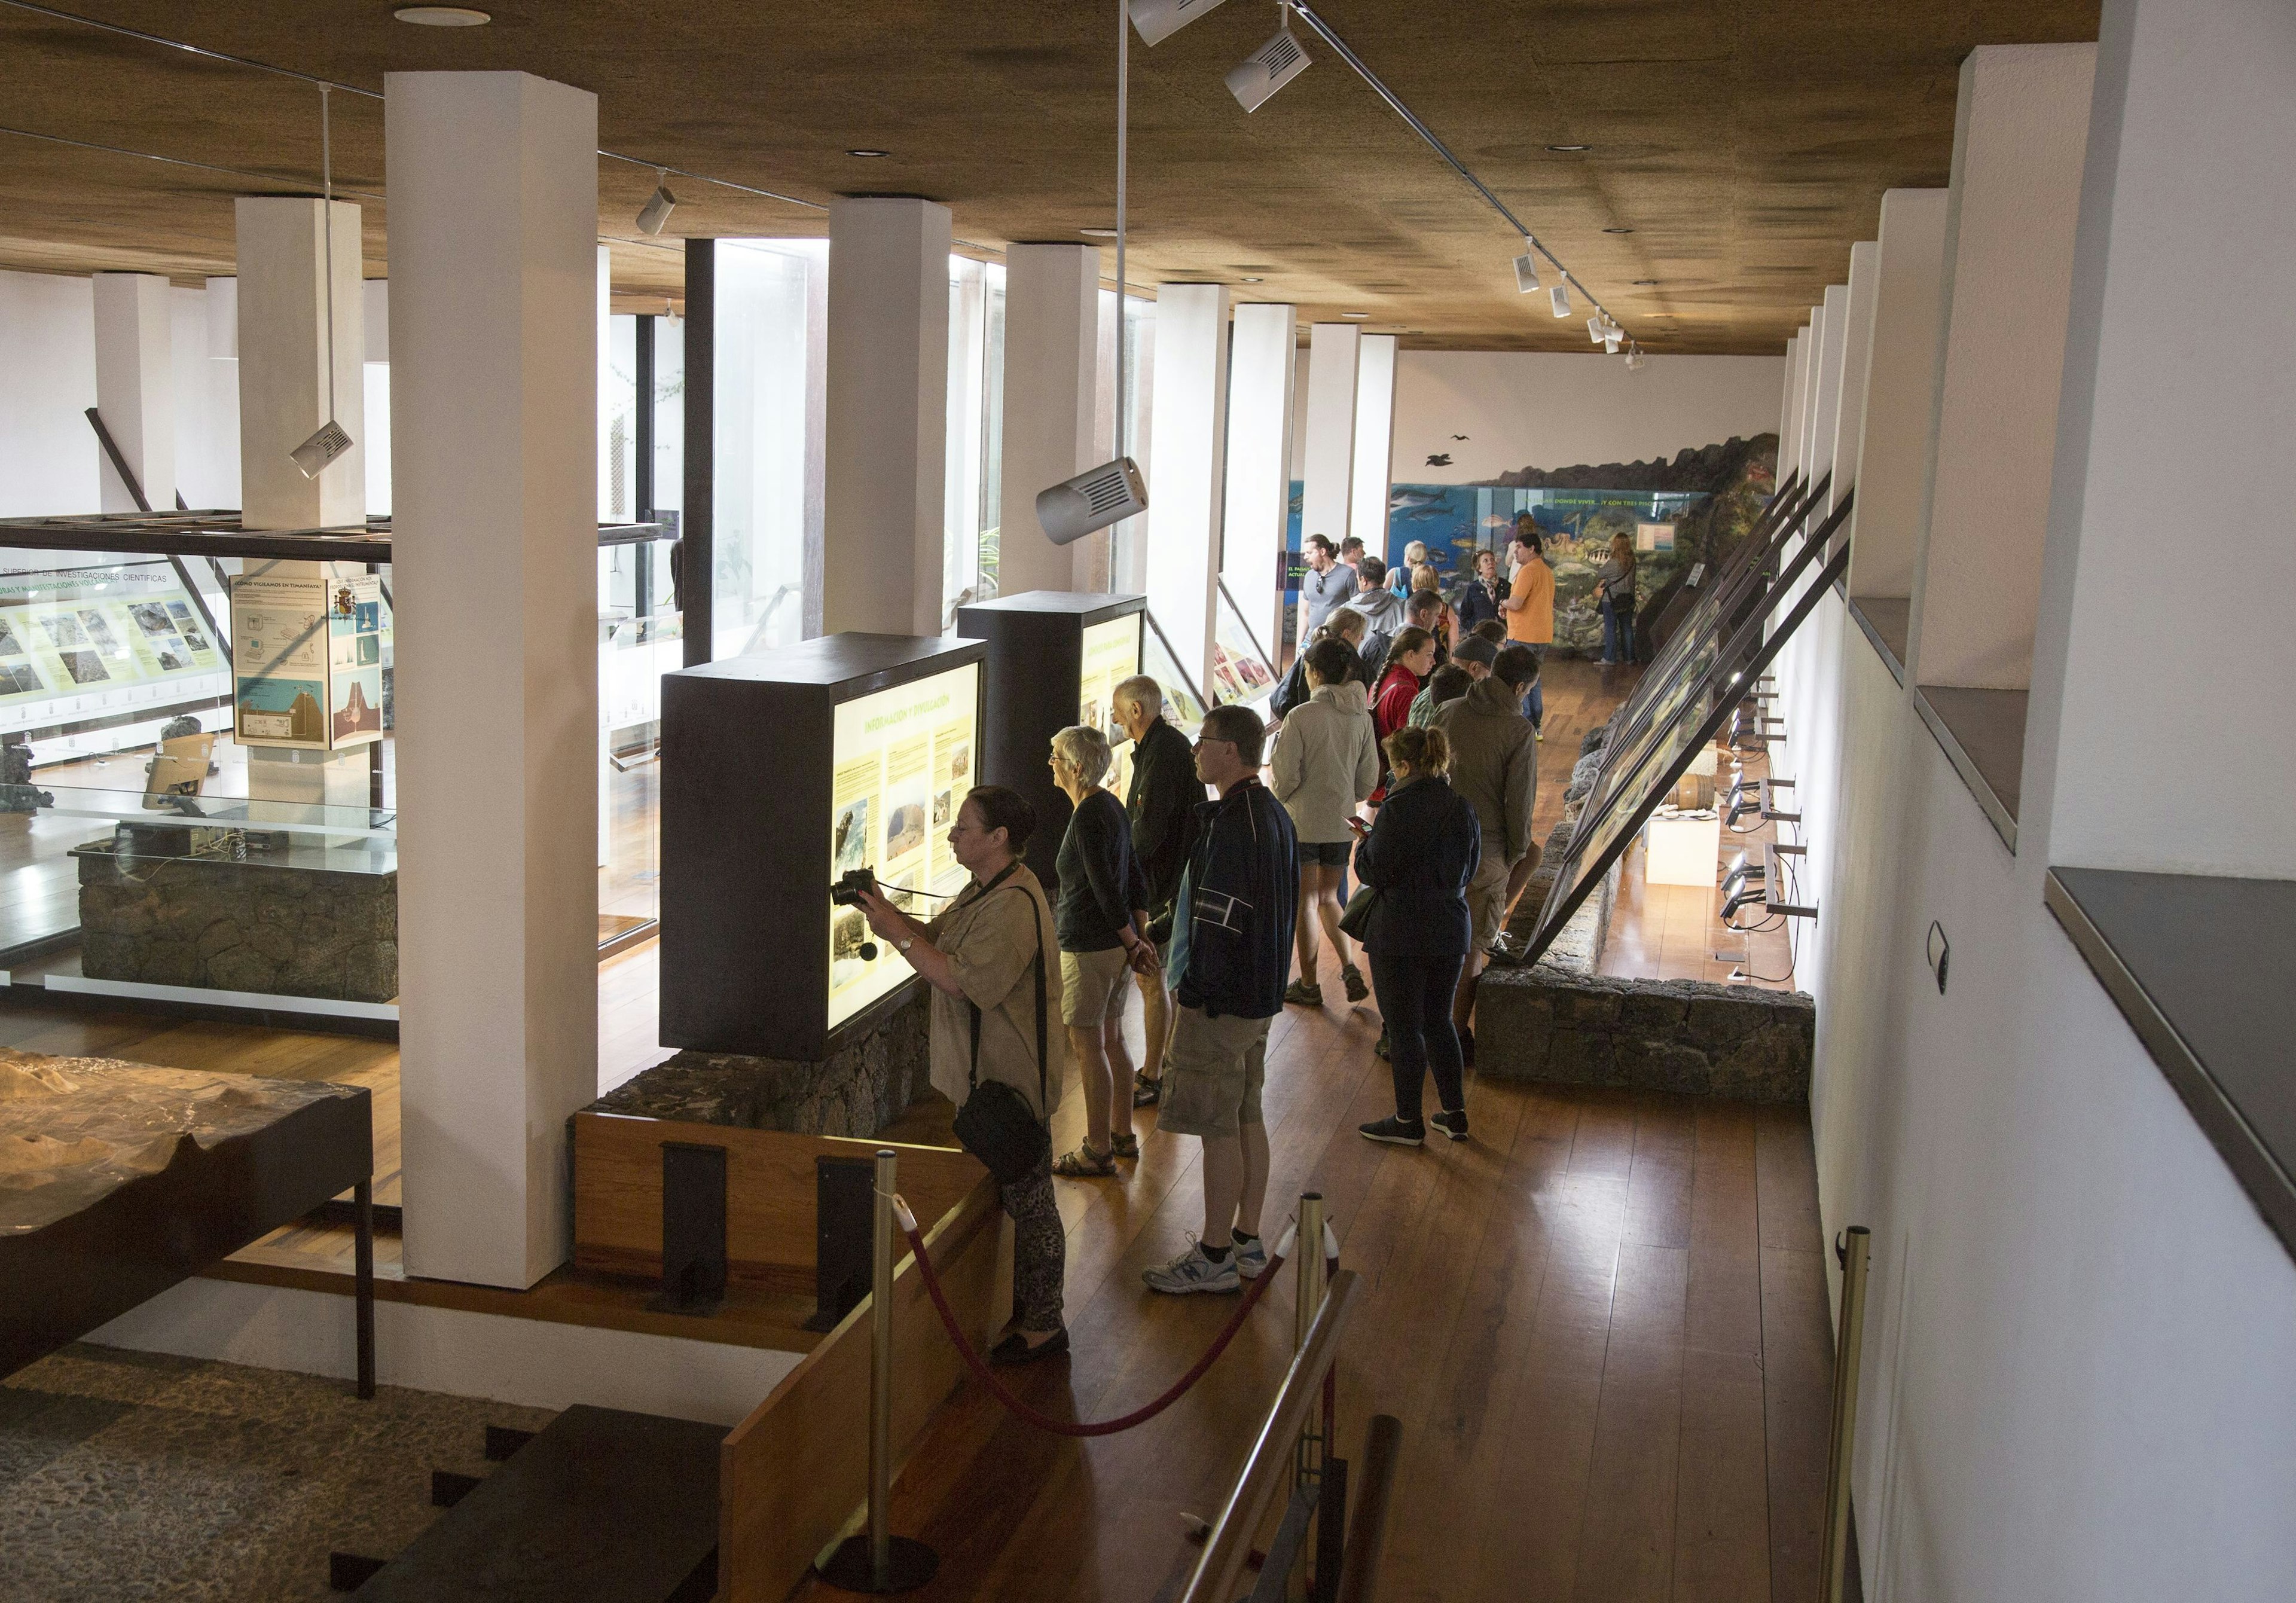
{"x":900,"y":762}
{"x":309,"y":645}
{"x":1111,"y":656}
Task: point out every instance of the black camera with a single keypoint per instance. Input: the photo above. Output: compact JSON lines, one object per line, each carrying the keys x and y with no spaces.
{"x":846,"y":890}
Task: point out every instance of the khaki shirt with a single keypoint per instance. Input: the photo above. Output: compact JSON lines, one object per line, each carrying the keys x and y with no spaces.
{"x":991,"y":942}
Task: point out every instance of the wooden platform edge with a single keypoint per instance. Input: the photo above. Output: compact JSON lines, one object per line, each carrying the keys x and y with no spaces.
{"x":793,"y":1473}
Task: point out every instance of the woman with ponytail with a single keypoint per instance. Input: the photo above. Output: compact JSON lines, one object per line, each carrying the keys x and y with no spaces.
{"x":1410,"y":659}
{"x":1418,"y":858}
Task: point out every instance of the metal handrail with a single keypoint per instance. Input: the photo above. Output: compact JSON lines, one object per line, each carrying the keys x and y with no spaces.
{"x":1367,"y":1530}
{"x":1268,"y":1465}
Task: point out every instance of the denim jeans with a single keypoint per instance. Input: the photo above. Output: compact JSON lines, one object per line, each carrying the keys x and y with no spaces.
{"x":1414,"y":1003}
{"x":1618,"y":633}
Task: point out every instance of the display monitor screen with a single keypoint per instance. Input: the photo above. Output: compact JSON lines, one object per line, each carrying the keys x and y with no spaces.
{"x":1111,"y":656}
{"x":901,"y":761}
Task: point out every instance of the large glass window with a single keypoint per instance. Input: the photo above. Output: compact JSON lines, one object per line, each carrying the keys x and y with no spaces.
{"x":972,"y":477}
{"x":762,"y":352}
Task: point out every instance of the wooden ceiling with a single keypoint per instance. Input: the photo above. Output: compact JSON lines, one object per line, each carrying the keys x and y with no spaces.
{"x":1746,"y":145}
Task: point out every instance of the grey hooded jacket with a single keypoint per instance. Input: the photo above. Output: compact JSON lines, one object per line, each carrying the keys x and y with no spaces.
{"x":1327,"y":760}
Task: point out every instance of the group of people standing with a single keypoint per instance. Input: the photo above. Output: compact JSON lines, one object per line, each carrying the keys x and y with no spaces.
{"x":1204,"y":883}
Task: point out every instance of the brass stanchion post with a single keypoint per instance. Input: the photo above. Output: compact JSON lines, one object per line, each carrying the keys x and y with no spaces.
{"x":881,"y":1562}
{"x":1856,"y":1246}
{"x":1309,"y":1286}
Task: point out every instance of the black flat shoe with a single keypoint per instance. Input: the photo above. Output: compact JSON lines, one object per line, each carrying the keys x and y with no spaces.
{"x":1015,"y":1348}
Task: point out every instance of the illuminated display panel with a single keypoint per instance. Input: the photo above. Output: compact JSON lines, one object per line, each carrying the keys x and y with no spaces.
{"x":901,"y":761}
{"x":1109,"y":657}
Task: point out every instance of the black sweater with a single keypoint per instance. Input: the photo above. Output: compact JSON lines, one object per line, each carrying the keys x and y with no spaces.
{"x":1162,"y":804}
{"x":1101,"y":881}
{"x":1422,"y":851}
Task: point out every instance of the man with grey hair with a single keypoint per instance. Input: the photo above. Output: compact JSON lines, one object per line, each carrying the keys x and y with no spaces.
{"x":1162,"y":804}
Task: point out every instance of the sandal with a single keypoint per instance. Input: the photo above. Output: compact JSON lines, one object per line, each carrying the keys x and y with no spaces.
{"x":1084,"y":1164}
{"x":1124,"y":1146}
{"x":1147,"y":1089}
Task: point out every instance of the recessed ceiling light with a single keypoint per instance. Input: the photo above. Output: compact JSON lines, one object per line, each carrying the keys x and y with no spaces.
{"x":868,"y":154}
{"x":1098,"y":233}
{"x":1354,"y":314}
{"x":1645,"y":283}
{"x":442,"y":16}
{"x":1566,"y":149}
{"x":1618,"y":231}
{"x":1255,"y":280}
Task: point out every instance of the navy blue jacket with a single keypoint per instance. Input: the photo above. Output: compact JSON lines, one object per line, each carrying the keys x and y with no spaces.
{"x":1423,"y":848}
{"x":1232,"y":935}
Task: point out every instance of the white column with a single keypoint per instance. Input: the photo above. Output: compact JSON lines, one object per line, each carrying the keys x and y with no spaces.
{"x":284,"y":349}
{"x":1374,"y":442}
{"x":136,"y":386}
{"x":494,"y":208}
{"x":1825,"y":394}
{"x":1790,"y":440}
{"x":1857,"y":349}
{"x":2192,"y":656}
{"x":1813,"y":370}
{"x":1183,"y":496}
{"x":1333,"y":353}
{"x":1260,"y":365}
{"x":888,"y":411}
{"x":1893,"y":451}
{"x":1052,"y":330}
{"x":2019,"y":145}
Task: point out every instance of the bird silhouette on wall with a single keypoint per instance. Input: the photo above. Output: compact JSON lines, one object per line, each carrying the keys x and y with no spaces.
{"x":1441,"y":459}
{"x":1458,"y":437}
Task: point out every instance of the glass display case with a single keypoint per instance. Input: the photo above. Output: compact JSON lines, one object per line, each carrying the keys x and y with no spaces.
{"x":198,"y":796}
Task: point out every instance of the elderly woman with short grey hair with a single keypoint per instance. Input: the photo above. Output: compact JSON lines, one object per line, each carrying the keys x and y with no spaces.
{"x":1101,"y":920}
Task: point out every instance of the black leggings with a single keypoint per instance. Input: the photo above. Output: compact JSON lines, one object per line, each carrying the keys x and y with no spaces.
{"x":1415,"y":1001}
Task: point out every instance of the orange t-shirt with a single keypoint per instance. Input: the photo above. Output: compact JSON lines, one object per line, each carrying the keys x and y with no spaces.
{"x":1533,"y":622}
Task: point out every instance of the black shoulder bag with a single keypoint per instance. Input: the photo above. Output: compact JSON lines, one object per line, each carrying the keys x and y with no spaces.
{"x":997,"y":1124}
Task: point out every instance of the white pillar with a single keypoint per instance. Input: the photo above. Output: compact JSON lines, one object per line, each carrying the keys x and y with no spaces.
{"x":283,"y":305}
{"x":1826,"y":393}
{"x":2192,"y":125}
{"x":223,"y":319}
{"x":1333,"y":353}
{"x":1052,"y":335}
{"x":888,"y":415}
{"x":1790,"y":441}
{"x":1786,"y":410}
{"x":1893,"y":452}
{"x":1813,"y":369}
{"x":2019,"y":142}
{"x":494,"y":207}
{"x":1183,"y":497}
{"x":1857,"y":348}
{"x":1260,"y":366}
{"x":136,"y":386}
{"x":1374,"y":442}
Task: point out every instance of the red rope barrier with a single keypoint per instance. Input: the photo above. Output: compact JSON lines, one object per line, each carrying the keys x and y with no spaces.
{"x":1070,"y":1427}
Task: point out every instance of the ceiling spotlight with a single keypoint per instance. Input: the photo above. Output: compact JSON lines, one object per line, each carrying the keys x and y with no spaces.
{"x":1562,"y":295}
{"x":1159,"y":20}
{"x":1259,"y":75}
{"x":1568,"y":150}
{"x":1635,"y":360}
{"x":442,"y":16}
{"x":866,"y":154}
{"x":656,"y":211}
{"x":1526,"y":271}
{"x":1611,"y":339}
{"x":1594,"y":326}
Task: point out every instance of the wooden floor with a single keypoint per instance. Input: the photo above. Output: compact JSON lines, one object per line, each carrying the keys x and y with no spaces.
{"x":1601,"y":1320}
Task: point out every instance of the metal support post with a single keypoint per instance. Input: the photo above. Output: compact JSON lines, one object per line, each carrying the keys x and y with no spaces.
{"x":363,"y":1282}
{"x":881,"y":1562}
{"x":1308,"y":1297}
{"x":1855,"y":1248}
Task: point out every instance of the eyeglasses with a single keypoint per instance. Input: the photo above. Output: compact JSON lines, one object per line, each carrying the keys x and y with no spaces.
{"x":1203,"y":741}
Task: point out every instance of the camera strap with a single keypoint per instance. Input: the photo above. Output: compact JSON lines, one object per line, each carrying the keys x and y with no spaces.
{"x":1037,"y":968}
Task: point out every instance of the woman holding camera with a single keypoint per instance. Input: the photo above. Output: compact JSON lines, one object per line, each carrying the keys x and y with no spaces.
{"x":1103,"y":923}
{"x":1418,"y":856}
{"x":996,"y":991}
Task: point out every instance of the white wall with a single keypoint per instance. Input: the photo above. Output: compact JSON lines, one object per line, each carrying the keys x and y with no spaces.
{"x":2080,"y":1332}
{"x":1547,"y":409}
{"x":47,"y":350}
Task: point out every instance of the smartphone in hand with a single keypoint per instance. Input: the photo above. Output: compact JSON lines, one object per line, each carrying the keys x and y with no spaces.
{"x":1360,"y":828}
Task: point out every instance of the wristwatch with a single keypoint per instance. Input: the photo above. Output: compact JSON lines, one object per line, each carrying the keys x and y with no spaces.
{"x":904,"y":943}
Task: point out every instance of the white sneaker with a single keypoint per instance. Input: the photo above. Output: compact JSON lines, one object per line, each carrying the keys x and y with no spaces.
{"x":1249,"y":1259}
{"x":1193,"y":1272}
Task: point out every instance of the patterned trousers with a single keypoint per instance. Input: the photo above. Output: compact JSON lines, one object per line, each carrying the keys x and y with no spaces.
{"x":1039,"y":1249}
